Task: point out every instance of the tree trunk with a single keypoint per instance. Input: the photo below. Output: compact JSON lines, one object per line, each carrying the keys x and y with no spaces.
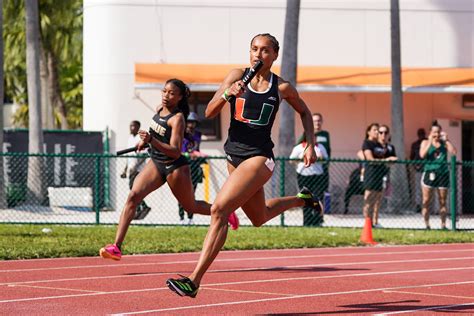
{"x":400,"y":199}
{"x":288,"y":72}
{"x":286,"y":139}
{"x":35,"y":135}
{"x":46,"y":107}
{"x":55,"y":91}
{"x":3,"y":201}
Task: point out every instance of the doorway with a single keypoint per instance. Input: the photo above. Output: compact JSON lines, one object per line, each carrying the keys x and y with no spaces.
{"x":468,"y":172}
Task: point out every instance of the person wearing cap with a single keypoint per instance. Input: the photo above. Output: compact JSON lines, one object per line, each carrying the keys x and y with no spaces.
{"x":191,"y":150}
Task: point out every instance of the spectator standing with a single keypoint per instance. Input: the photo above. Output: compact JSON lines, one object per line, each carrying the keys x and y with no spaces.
{"x":387,"y":153}
{"x":435,"y":172}
{"x":321,"y":137}
{"x":191,"y":150}
{"x":374,"y":173}
{"x":134,"y":165}
{"x":191,"y":144}
{"x":311,"y":177}
{"x":356,"y":178}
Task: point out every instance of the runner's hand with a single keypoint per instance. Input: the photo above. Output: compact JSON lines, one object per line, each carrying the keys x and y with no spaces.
{"x":144,"y":136}
{"x":236,"y":89}
{"x":309,"y":156}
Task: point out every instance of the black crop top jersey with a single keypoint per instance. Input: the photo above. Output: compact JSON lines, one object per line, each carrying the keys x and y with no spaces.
{"x":378,"y":150}
{"x":160,"y":130}
{"x":252,"y":117}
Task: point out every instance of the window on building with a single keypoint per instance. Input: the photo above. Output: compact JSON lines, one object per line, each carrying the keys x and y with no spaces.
{"x":210,"y":128}
{"x":468,"y":101}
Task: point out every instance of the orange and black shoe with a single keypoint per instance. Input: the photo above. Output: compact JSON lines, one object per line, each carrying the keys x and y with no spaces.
{"x":183,"y":286}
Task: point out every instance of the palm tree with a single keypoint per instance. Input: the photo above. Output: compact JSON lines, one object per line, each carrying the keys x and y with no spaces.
{"x":2,"y":181}
{"x":286,"y":137}
{"x":399,"y":176}
{"x":35,"y":137}
{"x":60,"y":62}
{"x":61,"y":27}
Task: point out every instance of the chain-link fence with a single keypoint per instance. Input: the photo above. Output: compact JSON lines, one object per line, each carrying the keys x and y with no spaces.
{"x":89,"y":189}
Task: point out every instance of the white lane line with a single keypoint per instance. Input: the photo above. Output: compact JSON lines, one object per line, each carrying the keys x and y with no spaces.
{"x":55,"y":288}
{"x":423,"y":309}
{"x":333,"y":264}
{"x":251,"y":282}
{"x":431,"y":294}
{"x":119,"y":265}
{"x":107,"y":277}
{"x":243,"y":291}
{"x":285,"y":298}
{"x":342,"y":276}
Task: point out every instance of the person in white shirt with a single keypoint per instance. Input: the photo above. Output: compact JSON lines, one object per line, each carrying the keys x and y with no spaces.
{"x":311,"y":177}
{"x":134,"y":165}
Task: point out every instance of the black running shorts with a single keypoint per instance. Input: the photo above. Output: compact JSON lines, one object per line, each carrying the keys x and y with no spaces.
{"x":166,"y":168}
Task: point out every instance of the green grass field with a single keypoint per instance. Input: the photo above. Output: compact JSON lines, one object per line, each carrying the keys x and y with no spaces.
{"x":28,"y":241}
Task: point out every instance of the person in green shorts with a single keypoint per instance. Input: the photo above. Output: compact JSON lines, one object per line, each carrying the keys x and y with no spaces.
{"x":435,"y":172}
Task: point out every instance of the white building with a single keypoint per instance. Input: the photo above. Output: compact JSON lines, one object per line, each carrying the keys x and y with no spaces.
{"x":120,"y":34}
{"x":132,"y":46}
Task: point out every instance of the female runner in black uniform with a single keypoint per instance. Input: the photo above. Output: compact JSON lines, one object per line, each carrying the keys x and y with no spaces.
{"x":166,"y":164}
{"x":250,"y":159}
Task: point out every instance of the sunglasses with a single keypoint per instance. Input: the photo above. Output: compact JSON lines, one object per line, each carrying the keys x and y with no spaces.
{"x":383,"y":132}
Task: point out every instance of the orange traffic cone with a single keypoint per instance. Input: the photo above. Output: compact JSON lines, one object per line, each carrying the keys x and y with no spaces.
{"x":366,"y":236}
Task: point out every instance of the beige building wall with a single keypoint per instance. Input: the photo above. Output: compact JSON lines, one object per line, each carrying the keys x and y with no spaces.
{"x":120,"y":33}
{"x":346,"y":115}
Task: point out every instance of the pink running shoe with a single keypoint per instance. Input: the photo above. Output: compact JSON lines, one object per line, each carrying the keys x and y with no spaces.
{"x":233,"y":221}
{"x":111,"y":252}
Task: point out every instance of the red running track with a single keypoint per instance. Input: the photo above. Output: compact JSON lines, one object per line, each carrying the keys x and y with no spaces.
{"x":391,"y":280}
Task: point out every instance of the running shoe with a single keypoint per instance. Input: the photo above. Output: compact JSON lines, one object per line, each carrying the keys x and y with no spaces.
{"x":310,"y":200}
{"x":183,"y":286}
{"x":111,"y":252}
{"x":233,"y":221}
